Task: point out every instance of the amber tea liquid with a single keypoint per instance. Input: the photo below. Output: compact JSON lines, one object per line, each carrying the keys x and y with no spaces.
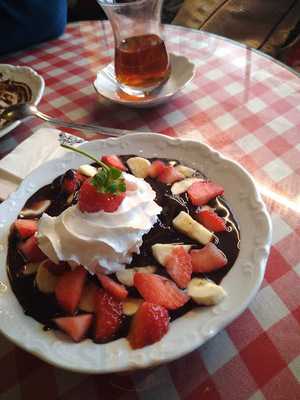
{"x":142,"y":61}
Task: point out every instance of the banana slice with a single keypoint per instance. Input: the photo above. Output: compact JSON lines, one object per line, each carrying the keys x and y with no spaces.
{"x":44,"y":279}
{"x":126,"y":275}
{"x":70,"y":199}
{"x":131,"y":305}
{"x":161,"y":251}
{"x":182,"y":186}
{"x":87,"y":170}
{"x":30,"y":268}
{"x":36,"y":209}
{"x":139,"y":166}
{"x":186,"y":224}
{"x":205,"y":292}
{"x":186,"y":171}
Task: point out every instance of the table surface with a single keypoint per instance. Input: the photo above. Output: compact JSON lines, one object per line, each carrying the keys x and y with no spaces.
{"x":243,"y":104}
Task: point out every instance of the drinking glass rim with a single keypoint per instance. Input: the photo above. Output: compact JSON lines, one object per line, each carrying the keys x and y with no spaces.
{"x":106,"y":3}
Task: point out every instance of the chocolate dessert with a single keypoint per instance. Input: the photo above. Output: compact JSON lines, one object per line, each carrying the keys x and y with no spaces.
{"x":177,"y":263}
{"x":12,"y":93}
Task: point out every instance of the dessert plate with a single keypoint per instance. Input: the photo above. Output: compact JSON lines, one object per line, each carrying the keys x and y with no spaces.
{"x":187,"y":332}
{"x":182,"y":71}
{"x":20,"y":76}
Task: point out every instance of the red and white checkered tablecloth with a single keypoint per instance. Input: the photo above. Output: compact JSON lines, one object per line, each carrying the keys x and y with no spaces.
{"x":248,"y":107}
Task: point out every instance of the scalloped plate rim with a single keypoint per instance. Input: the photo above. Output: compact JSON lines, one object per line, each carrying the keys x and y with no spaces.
{"x":150,"y":102}
{"x":144,"y":357}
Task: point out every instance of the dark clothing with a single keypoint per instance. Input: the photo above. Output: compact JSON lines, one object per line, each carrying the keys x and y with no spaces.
{"x":27,"y":22}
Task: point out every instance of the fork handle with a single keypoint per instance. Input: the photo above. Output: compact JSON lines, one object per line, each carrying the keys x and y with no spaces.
{"x":84,"y":127}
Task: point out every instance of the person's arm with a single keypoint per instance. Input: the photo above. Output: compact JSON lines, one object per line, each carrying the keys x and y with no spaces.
{"x":27,"y":22}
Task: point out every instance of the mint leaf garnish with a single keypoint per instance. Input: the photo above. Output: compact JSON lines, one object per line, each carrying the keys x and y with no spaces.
{"x":122,"y":187}
{"x":109,"y":182}
{"x":115,"y":173}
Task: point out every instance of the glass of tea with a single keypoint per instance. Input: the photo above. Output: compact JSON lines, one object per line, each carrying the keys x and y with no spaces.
{"x":141,"y":58}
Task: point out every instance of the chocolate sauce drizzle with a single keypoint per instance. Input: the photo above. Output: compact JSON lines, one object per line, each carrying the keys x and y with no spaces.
{"x":44,"y":308}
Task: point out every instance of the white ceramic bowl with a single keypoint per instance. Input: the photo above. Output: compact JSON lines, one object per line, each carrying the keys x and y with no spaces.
{"x":182,"y":72}
{"x":25,"y":75}
{"x":187,"y":332}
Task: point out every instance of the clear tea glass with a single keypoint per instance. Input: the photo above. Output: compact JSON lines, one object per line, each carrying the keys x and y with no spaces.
{"x":141,"y":58}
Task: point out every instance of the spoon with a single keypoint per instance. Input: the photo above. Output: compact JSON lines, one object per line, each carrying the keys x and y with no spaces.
{"x":19,"y":112}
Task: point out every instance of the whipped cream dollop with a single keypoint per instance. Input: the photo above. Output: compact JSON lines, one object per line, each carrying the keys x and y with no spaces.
{"x":101,"y":241}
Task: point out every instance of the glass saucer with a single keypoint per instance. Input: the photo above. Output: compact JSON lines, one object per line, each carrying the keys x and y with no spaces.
{"x":182,"y":72}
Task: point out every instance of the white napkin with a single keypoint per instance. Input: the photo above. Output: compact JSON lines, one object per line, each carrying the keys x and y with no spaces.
{"x":41,"y":146}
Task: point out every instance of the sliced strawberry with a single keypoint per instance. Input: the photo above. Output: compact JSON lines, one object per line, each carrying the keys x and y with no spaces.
{"x":159,"y":290}
{"x":90,"y":200}
{"x":211,"y":220}
{"x":156,"y":168}
{"x":208,"y":259}
{"x":201,"y":192}
{"x":69,"y":289}
{"x":80,"y":178}
{"x":114,"y":161}
{"x":26,"y":227}
{"x":170,"y":175}
{"x":108,"y":316}
{"x":75,"y":327}
{"x":31,"y":250}
{"x":115,"y":289}
{"x":179,"y":266}
{"x":149,"y":325}
{"x":57,"y":269}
